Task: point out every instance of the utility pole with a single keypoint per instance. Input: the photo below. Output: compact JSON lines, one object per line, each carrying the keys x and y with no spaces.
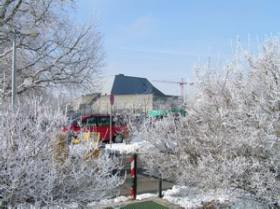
{"x":14,"y":71}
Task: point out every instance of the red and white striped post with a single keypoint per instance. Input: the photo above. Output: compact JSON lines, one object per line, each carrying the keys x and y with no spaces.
{"x":133,"y":173}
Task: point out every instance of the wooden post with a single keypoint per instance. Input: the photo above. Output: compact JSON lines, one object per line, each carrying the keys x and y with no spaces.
{"x":133,"y":173}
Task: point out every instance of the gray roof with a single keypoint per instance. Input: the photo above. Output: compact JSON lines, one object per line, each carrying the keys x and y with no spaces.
{"x":133,"y":85}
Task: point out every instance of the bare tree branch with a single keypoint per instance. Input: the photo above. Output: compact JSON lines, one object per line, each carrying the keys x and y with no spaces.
{"x":50,"y":49}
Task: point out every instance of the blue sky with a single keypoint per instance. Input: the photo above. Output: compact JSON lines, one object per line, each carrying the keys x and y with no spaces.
{"x":163,"y":39}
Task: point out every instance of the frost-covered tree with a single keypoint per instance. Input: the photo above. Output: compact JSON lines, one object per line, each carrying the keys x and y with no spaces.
{"x":38,"y":167}
{"x":52,"y":51}
{"x":230,"y":137}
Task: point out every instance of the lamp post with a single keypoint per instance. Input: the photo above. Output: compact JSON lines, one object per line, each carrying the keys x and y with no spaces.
{"x":112,"y":99}
{"x":14,"y":71}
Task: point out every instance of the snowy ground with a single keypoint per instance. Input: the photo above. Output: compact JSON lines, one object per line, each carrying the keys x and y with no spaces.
{"x":190,"y":199}
{"x":135,"y":146}
{"x":95,"y":205}
{"x":186,"y":198}
{"x":177,"y":195}
{"x":120,"y":199}
{"x":123,"y":148}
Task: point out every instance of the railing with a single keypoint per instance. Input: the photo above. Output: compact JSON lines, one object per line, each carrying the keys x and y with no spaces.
{"x":138,"y":181}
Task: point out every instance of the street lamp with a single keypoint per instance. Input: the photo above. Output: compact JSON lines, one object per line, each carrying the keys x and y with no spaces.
{"x":14,"y":71}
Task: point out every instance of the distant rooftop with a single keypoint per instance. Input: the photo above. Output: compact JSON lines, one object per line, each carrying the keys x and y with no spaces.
{"x":124,"y":85}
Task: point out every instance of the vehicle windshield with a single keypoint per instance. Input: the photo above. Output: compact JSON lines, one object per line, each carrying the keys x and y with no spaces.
{"x":91,"y":121}
{"x":103,"y":121}
{"x":99,"y":121}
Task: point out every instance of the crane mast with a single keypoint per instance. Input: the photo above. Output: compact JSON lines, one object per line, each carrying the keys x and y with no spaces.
{"x":181,"y":84}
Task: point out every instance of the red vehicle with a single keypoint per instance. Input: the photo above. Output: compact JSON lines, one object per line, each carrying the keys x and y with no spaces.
{"x":99,"y":124}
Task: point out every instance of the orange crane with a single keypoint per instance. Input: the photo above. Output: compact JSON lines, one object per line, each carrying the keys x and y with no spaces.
{"x":181,"y":83}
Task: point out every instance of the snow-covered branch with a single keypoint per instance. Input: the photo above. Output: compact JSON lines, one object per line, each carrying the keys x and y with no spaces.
{"x":230,"y":137}
{"x":38,"y":167}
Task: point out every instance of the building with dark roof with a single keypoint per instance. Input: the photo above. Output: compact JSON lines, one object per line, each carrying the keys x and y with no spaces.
{"x":134,"y":94}
{"x":128,"y":85}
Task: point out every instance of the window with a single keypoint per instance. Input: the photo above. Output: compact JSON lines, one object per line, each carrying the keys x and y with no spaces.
{"x":103,"y":121}
{"x":91,"y":121}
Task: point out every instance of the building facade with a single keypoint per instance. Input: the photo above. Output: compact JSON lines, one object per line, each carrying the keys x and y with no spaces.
{"x":131,"y":95}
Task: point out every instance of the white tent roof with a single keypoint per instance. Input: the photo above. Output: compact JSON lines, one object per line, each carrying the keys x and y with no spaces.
{"x":107,"y":84}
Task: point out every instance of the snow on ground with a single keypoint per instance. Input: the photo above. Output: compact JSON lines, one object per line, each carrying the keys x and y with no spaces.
{"x":190,"y":198}
{"x":186,"y":198}
{"x":109,"y":201}
{"x":123,"y":148}
{"x":135,"y":146}
{"x":146,"y":196}
{"x":120,"y":199}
